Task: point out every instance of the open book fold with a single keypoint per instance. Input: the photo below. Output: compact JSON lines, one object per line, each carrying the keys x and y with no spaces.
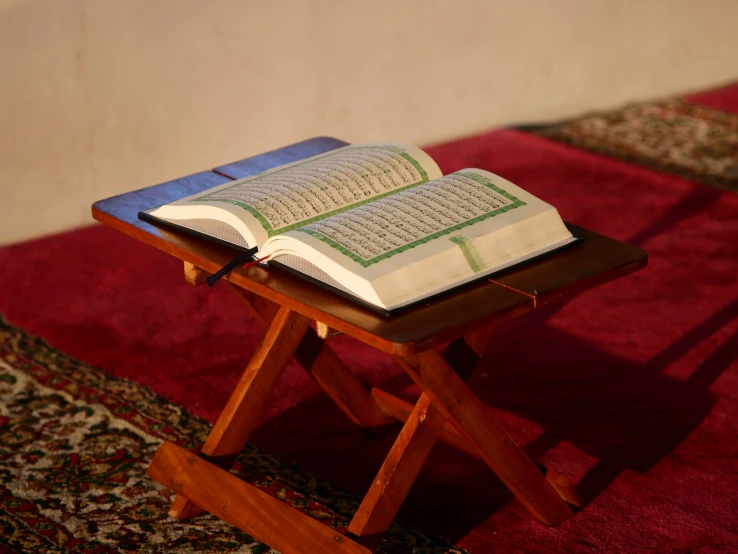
{"x":378,"y":222}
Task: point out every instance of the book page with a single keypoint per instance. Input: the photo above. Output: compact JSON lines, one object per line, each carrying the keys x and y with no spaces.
{"x":304,"y":192}
{"x":424,"y":240}
{"x":374,"y":232}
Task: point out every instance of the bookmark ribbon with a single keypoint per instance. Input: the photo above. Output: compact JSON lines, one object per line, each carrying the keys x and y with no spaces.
{"x":242,"y":258}
{"x":470,"y":253}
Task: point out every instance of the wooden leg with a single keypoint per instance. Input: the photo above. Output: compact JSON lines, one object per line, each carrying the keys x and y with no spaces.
{"x":324,"y":331}
{"x":401,"y":410}
{"x":246,"y":507}
{"x":466,"y":412}
{"x":317,"y":358}
{"x":194,"y":275}
{"x":406,"y":457}
{"x":252,"y":392}
{"x":397,"y":474}
{"x":248,"y":399}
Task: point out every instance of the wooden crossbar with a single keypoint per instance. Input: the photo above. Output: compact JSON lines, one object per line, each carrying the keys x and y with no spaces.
{"x":400,"y":410}
{"x":244,"y":506}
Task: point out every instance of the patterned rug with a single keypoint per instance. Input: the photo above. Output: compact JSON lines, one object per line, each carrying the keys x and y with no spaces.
{"x":74,"y":446}
{"x":692,"y":141}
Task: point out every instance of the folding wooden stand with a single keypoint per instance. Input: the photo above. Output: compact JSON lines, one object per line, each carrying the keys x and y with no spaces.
{"x":447,"y":408}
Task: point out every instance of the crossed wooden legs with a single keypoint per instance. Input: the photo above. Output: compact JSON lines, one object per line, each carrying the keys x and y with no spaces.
{"x":446,"y":397}
{"x":314,"y":355}
{"x":447,"y":409}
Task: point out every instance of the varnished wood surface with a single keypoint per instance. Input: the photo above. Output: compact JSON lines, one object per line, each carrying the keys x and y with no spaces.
{"x":398,"y":472}
{"x":244,"y":506}
{"x":254,"y":388}
{"x":423,"y":425}
{"x":597,"y":260}
{"x":125,"y":207}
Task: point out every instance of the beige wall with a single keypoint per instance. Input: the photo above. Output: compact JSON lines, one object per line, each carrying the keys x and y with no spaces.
{"x":101,"y":96}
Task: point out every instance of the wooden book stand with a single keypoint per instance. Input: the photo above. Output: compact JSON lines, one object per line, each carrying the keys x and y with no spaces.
{"x":447,"y":409}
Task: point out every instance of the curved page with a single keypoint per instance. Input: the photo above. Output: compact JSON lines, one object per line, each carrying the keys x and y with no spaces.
{"x":427,"y":239}
{"x":304,"y":192}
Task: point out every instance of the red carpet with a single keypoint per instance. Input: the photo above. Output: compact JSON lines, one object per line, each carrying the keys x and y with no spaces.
{"x":630,"y":389}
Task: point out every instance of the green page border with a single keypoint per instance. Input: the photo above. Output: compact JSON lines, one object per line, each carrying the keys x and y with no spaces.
{"x":273,"y":232}
{"x":516,"y":203}
{"x":470,"y":253}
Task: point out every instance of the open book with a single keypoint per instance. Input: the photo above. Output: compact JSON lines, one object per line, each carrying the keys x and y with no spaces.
{"x":379,"y":222}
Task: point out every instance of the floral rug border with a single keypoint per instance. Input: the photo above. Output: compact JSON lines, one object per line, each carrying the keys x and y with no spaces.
{"x":689,"y":140}
{"x":78,"y":389}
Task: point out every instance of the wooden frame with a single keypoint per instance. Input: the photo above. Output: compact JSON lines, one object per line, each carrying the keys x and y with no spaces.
{"x":447,"y":409}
